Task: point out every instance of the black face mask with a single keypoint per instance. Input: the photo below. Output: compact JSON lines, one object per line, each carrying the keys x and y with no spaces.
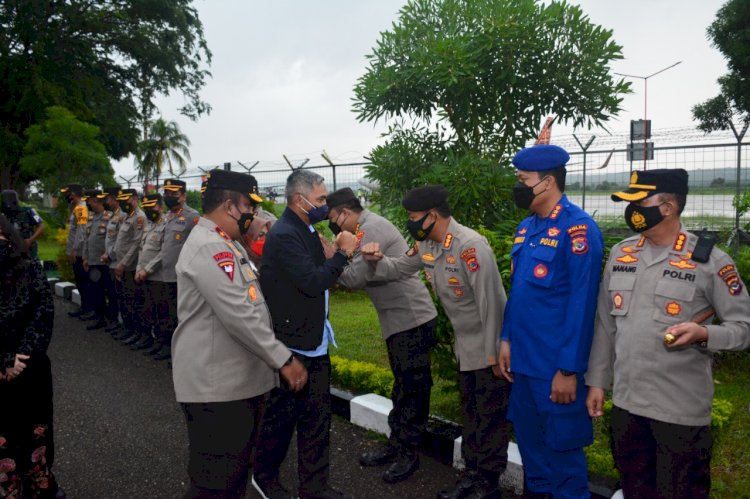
{"x":151,"y":214}
{"x":171,"y":202}
{"x":244,"y":222}
{"x":88,"y":205}
{"x":335,"y":228}
{"x":523,"y":195}
{"x":126,"y":207}
{"x":640,"y":218}
{"x":415,"y":228}
{"x":69,"y":200}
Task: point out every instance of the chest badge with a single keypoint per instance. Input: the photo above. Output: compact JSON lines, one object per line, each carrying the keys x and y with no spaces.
{"x":553,"y":232}
{"x":682,"y":264}
{"x":540,"y":271}
{"x":252,"y":292}
{"x":450,"y":259}
{"x":626,"y":258}
{"x":673,"y":308}
{"x":618,"y":301}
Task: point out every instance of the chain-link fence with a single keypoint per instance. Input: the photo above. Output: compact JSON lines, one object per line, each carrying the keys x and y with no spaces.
{"x":715,"y":162}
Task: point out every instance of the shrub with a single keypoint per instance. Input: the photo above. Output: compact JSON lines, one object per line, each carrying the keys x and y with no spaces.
{"x":63,"y":264}
{"x":361,"y":377}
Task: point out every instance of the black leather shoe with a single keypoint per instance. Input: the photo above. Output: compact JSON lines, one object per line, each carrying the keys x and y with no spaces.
{"x":164,"y":354}
{"x":75,"y":314}
{"x":101,"y":323}
{"x":88,"y":316}
{"x":402,"y":469}
{"x":463,"y":487}
{"x":153,"y":350}
{"x":121,"y":334}
{"x":144,"y":343}
{"x":131,"y":339}
{"x":112,"y":326}
{"x":273,"y":490}
{"x":383,"y":455}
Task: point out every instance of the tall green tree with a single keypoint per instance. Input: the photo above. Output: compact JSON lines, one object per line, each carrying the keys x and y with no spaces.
{"x":730,"y":33}
{"x":104,"y":60}
{"x":62,"y":149}
{"x":165,"y":145}
{"x":475,"y":78}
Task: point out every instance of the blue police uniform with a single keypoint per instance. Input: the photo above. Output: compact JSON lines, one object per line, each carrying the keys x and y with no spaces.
{"x":549,"y":322}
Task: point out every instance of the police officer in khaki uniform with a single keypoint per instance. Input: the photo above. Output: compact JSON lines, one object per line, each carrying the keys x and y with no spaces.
{"x":126,"y":251}
{"x":77,"y":219}
{"x":226,"y":356}
{"x":179,"y":221}
{"x":103,"y":303}
{"x":655,"y":340}
{"x":462,"y":269}
{"x":407,"y":318}
{"x":108,"y":257}
{"x":155,"y":299}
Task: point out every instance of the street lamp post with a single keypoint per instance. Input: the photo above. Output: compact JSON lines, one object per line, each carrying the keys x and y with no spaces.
{"x":645,"y":105}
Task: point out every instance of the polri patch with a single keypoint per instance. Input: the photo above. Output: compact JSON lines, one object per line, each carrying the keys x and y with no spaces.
{"x":731,"y":278}
{"x":579,"y":245}
{"x":469,"y":256}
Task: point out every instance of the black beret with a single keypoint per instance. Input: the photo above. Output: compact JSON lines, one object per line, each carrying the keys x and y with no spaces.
{"x":234,"y":181}
{"x":173,"y":184}
{"x":425,"y":198}
{"x":341,"y":196}
{"x":644,"y":184}
{"x":72,"y":189}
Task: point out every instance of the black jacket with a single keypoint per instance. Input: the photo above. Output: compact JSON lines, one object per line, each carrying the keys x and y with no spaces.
{"x":294,"y":276}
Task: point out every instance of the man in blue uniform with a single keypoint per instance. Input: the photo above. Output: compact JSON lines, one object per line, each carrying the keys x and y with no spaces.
{"x":549,"y":325}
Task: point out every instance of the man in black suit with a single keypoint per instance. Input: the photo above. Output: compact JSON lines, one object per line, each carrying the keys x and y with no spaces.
{"x":295,"y":275}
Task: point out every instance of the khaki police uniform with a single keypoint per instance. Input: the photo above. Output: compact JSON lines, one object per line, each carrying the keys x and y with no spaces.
{"x":79,"y":217}
{"x":126,"y":250}
{"x":646,"y":289}
{"x":177,"y":227}
{"x":113,"y":227}
{"x":463,"y":273}
{"x":406,"y":315}
{"x":103,"y":301}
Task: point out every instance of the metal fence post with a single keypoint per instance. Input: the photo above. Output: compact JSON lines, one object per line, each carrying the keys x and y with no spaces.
{"x":739,"y":138}
{"x":584,"y":148}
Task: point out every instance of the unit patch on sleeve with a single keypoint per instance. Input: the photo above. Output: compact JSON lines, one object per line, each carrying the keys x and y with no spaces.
{"x":580,"y":245}
{"x":470,"y":257}
{"x":225,"y":260}
{"x":413,"y":250}
{"x":728,"y":274}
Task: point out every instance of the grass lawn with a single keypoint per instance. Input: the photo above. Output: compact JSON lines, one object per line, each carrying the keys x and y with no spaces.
{"x":48,"y":249}
{"x":358,"y":335}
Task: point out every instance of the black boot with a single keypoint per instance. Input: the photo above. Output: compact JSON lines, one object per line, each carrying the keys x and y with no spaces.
{"x":131,"y":339}
{"x":75,"y":314}
{"x":382,"y":455}
{"x":88,"y":316}
{"x":154,"y":348}
{"x":101,"y":323}
{"x":486,"y":486}
{"x":112,"y":326}
{"x":164,"y":354}
{"x":463,"y":487}
{"x":404,"y":466}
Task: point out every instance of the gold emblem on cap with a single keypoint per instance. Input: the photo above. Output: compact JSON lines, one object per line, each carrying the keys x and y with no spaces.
{"x":634,"y":178}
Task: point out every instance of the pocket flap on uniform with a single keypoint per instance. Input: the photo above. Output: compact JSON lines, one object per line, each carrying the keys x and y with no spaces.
{"x":544,"y":253}
{"x":621,"y":283}
{"x":673,"y":289}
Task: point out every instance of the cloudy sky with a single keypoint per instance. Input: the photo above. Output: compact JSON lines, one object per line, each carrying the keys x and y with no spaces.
{"x":283,"y":73}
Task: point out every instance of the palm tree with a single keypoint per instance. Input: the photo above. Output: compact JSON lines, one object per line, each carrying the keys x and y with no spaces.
{"x":164,"y":144}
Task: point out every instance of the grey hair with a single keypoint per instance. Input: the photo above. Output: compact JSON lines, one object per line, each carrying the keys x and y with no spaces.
{"x":302,"y":181}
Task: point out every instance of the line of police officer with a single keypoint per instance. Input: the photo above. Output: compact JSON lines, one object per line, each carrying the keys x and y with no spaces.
{"x":124,"y":249}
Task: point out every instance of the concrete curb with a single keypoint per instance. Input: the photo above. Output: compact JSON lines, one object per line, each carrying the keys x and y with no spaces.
{"x":370,"y":411}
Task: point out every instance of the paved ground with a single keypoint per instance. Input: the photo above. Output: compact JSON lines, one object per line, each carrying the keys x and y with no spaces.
{"x":119,"y":432}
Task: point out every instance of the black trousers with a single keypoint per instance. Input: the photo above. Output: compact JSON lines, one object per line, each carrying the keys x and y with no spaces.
{"x":152,"y":308}
{"x":309,"y":410}
{"x":170,"y":320}
{"x":80,"y":276}
{"x":26,"y":430}
{"x":409,"y":356}
{"x":484,"y":442}
{"x":102,"y":293}
{"x":661,"y":460}
{"x":221,"y":436}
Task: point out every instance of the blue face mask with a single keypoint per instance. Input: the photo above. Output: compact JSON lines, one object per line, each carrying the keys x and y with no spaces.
{"x":317,"y":213}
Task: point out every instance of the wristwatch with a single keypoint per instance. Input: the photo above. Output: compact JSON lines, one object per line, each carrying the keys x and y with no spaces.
{"x":567,"y":373}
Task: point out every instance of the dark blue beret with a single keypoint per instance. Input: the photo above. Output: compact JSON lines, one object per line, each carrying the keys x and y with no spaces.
{"x":540,"y":158}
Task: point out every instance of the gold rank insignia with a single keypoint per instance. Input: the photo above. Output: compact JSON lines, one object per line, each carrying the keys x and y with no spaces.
{"x":626,"y":258}
{"x":428,"y":257}
{"x":682,"y":264}
{"x":252,"y":292}
{"x":448,"y":241}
